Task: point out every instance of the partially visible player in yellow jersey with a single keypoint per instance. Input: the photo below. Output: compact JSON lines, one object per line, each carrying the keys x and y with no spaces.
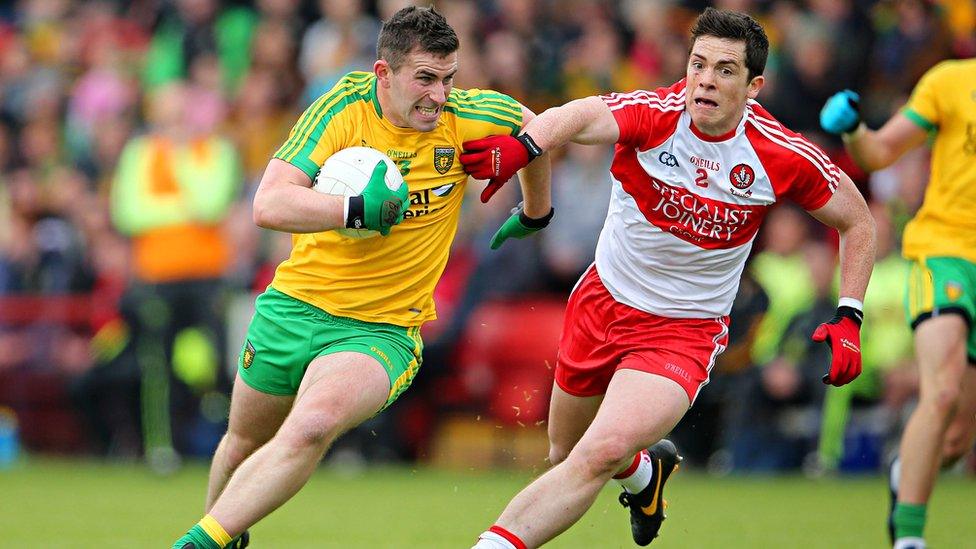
{"x":941,"y":242}
{"x":335,"y":337}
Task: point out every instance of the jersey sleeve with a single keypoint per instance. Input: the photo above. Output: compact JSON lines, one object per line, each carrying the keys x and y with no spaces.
{"x":814,"y":181}
{"x":798,"y":170}
{"x":480,"y":113}
{"x":322,"y":129}
{"x":642,"y":114}
{"x":924,"y":107}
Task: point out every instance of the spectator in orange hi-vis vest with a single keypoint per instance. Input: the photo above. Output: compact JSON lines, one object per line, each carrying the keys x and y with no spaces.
{"x":173,"y":188}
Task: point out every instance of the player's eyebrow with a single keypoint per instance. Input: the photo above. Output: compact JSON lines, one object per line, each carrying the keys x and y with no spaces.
{"x":726,"y":61}
{"x":425,"y":72}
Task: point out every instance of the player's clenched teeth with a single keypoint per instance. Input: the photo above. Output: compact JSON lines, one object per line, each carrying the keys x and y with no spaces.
{"x":427,"y":111}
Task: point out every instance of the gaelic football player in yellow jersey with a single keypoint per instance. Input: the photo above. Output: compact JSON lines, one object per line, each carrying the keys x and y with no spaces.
{"x":941,"y":297}
{"x":335,"y":338}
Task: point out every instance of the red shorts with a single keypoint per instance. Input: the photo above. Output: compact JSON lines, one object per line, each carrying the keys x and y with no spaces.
{"x":601,"y":335}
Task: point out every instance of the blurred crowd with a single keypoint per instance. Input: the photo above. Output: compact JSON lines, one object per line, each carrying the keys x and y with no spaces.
{"x":197,"y":94}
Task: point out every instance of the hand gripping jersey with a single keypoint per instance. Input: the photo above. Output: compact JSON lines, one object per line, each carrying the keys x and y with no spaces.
{"x":945,"y":225}
{"x":387,"y":279}
{"x":685,"y":207}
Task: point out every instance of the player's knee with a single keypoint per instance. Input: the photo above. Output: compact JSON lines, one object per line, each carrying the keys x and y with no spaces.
{"x":237,"y":448}
{"x":945,"y":401}
{"x":558,"y":453}
{"x":604,"y":457}
{"x":316,"y":430}
{"x":954,"y":447}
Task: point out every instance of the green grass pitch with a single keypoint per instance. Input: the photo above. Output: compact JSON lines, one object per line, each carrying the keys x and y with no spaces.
{"x":72,"y":504}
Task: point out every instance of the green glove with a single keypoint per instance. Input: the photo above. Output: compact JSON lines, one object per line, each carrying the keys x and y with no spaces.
{"x":377,"y":208}
{"x":519,"y":225}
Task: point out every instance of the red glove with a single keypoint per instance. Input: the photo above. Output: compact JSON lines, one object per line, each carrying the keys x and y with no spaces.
{"x":843,"y":334}
{"x":497,"y":158}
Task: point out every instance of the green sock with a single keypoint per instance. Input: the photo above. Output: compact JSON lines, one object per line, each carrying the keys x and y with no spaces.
{"x":909,"y":520}
{"x":199,"y":537}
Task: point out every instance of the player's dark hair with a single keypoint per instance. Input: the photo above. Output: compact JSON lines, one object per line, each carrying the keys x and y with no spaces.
{"x":735,"y":26}
{"x":413,"y":27}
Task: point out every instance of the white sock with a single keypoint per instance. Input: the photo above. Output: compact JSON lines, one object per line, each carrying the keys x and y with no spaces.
{"x":895,"y":477}
{"x":491,"y":540}
{"x":641,"y":476}
{"x":909,"y":543}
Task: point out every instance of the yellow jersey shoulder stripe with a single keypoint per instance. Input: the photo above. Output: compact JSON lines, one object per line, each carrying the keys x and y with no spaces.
{"x":349,"y":90}
{"x":474,"y":98}
{"x":486,"y":106}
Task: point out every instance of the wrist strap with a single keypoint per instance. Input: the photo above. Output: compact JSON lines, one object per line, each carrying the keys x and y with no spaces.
{"x":535,"y":222}
{"x":355,"y":210}
{"x":850,"y":312}
{"x":534,"y":150}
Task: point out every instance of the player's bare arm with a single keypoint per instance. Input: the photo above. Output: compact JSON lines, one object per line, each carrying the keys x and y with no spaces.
{"x":286,"y":202}
{"x":871,"y":149}
{"x":498,"y":157}
{"x":877,"y":149}
{"x":535,"y":181}
{"x":847,"y":212}
{"x":587,"y":121}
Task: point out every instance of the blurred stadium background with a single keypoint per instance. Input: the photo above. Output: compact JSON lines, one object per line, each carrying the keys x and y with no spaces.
{"x":118,"y":343}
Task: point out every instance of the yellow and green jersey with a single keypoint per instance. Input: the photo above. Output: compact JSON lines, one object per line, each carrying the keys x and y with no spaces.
{"x":945,"y":101}
{"x":387,"y":279}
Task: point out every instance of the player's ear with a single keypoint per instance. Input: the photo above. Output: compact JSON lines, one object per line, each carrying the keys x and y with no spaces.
{"x":383,"y":72}
{"x":755,"y":85}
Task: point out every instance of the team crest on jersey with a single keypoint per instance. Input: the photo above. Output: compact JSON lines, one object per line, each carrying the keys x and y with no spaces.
{"x":443,"y":159}
{"x":742,"y":176}
{"x":953,"y":290}
{"x":248,"y":358}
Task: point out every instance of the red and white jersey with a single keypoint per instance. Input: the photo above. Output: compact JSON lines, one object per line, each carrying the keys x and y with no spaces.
{"x":685,"y":207}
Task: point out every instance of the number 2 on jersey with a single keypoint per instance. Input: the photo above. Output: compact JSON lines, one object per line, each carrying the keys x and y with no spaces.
{"x":702,"y":179}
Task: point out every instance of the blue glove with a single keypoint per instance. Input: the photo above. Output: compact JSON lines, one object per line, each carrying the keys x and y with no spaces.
{"x":840,"y":113}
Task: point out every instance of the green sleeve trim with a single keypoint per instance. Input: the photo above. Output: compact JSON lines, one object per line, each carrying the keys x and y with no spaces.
{"x":919,"y":119}
{"x":311,"y":169}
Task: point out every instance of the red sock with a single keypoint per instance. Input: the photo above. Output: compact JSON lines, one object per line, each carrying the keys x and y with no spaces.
{"x":509,"y":537}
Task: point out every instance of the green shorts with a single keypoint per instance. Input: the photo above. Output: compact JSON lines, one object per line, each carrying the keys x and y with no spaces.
{"x":286,"y":334}
{"x":943,"y":285}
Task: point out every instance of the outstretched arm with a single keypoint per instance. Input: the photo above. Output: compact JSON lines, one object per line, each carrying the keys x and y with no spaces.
{"x":877,"y":149}
{"x":847,"y":212}
{"x":587,"y":121}
{"x":872,"y":150}
{"x":498,"y":157}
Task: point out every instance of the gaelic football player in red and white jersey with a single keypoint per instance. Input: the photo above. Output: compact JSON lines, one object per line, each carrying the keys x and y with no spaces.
{"x":696,"y":167}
